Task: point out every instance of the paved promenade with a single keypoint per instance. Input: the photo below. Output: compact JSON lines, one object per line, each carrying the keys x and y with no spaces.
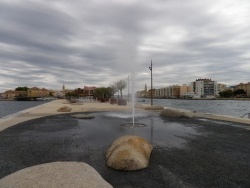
{"x":51,"y":108}
{"x":188,"y":152}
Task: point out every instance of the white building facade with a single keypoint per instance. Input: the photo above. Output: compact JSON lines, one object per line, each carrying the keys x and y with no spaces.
{"x":205,"y":88}
{"x":221,"y":87}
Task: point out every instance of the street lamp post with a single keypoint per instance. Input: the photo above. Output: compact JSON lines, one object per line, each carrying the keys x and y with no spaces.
{"x":151,"y":69}
{"x":128,"y":88}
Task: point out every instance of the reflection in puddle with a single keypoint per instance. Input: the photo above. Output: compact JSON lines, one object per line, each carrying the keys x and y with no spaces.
{"x":133,"y":125}
{"x":124,"y":115}
{"x":106,"y":127}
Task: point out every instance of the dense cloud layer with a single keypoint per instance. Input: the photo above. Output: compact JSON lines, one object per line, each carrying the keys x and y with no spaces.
{"x":48,"y":43}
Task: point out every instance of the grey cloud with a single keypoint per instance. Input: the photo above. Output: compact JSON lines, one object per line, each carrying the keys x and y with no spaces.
{"x":97,"y":42}
{"x":35,"y":17}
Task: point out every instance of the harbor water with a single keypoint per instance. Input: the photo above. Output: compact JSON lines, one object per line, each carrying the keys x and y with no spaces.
{"x":11,"y":107}
{"x":224,"y":107}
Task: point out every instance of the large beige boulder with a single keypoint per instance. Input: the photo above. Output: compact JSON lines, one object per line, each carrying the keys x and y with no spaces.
{"x":173,"y":113}
{"x":64,"y":109}
{"x":129,"y":153}
{"x":56,"y":174}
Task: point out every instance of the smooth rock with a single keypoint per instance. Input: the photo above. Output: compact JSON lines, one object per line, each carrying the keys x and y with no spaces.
{"x":129,"y":153}
{"x":56,"y":175}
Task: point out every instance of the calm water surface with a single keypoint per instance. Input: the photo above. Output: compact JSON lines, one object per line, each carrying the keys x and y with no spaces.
{"x":224,"y":107}
{"x":11,"y":107}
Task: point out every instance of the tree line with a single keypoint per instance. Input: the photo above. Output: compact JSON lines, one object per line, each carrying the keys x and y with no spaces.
{"x":230,"y":93}
{"x":108,"y":92}
{"x":102,"y":92}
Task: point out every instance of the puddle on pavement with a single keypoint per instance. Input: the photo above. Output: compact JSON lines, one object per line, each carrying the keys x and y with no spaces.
{"x":106,"y":127}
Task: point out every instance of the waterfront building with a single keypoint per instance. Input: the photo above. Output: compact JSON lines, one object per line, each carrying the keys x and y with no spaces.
{"x":153,"y":91}
{"x":162,"y":92}
{"x":245,"y":87}
{"x":192,"y":87}
{"x":188,"y":95}
{"x":183,"y":89}
{"x":175,"y":91}
{"x":10,"y":94}
{"x":89,"y":91}
{"x":221,"y":87}
{"x":205,"y":88}
{"x":158,"y":93}
{"x":168,"y":92}
{"x":2,"y":95}
{"x":232,"y":88}
{"x":186,"y":91}
{"x":201,"y":88}
{"x":37,"y":92}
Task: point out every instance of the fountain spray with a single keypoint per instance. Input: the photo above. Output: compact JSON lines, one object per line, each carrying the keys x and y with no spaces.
{"x":133,"y":96}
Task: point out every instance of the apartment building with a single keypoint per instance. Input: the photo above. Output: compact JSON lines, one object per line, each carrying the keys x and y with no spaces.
{"x":245,"y":87}
{"x":186,"y":91}
{"x":37,"y":92}
{"x":175,"y":91}
{"x":2,"y":95}
{"x":158,"y":93}
{"x":221,"y":87}
{"x":200,"y":88}
{"x":168,"y":92}
{"x":153,"y":91}
{"x":10,"y":94}
{"x":163,"y":92}
{"x":205,"y":88}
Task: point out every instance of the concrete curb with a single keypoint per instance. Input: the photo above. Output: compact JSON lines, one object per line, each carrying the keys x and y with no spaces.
{"x":195,"y":114}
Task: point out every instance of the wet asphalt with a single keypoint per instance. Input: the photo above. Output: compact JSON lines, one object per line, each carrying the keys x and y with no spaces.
{"x":187,"y":152}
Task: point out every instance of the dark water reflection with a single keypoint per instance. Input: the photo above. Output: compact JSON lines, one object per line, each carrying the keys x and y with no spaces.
{"x":187,"y":152}
{"x":106,"y":127}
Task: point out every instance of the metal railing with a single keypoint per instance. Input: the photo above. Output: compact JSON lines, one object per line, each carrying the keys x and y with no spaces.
{"x":248,"y":115}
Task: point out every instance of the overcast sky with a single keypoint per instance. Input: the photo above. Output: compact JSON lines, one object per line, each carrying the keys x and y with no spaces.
{"x":48,"y":43}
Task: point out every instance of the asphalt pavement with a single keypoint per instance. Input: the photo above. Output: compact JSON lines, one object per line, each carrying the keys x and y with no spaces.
{"x":187,"y":152}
